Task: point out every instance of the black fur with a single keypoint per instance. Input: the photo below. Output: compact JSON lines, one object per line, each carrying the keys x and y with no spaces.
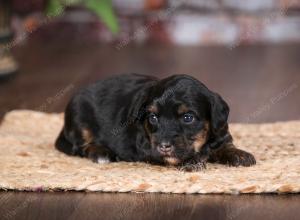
{"x":138,"y":118}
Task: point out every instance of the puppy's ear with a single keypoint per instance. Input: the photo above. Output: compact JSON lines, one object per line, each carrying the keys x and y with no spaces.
{"x":219,"y":112}
{"x":137,"y":109}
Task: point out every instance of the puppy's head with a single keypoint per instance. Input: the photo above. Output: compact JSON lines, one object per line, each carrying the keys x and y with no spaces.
{"x":180,"y":115}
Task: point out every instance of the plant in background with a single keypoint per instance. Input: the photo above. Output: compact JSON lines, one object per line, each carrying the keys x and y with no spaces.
{"x":102,"y":8}
{"x":8,"y":65}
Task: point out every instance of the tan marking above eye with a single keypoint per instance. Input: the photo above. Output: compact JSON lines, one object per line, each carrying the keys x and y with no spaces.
{"x":152,"y":109}
{"x":201,"y":138}
{"x":182,"y":109}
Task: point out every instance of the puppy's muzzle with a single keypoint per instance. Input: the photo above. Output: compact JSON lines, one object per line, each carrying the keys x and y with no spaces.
{"x":165,"y":148}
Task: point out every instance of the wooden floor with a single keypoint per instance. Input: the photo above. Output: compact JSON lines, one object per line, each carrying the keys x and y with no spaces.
{"x":74,"y":205}
{"x":260,"y":83}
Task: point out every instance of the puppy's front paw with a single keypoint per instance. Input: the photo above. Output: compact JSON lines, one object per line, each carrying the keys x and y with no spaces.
{"x":193,"y":167}
{"x":237,"y":157}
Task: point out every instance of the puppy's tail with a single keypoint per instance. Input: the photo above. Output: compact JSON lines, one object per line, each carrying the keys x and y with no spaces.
{"x":62,"y":144}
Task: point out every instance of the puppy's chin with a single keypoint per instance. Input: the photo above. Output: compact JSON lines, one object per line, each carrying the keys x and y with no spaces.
{"x":172,"y":161}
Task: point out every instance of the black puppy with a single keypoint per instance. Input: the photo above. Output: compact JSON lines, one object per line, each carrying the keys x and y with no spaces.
{"x":173,"y":121}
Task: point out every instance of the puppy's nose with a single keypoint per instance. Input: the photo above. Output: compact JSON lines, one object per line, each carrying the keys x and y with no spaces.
{"x":165,"y":147}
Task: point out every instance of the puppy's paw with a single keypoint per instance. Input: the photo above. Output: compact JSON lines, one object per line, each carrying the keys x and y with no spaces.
{"x":102,"y":160}
{"x":237,"y":157}
{"x":193,"y":167}
{"x":96,"y":154}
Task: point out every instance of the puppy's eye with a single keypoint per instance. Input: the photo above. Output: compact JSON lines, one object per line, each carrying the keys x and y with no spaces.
{"x":188,"y":118}
{"x":153,"y":119}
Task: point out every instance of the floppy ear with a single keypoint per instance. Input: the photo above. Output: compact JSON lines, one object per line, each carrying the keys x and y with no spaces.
{"x":219,"y":112}
{"x":137,"y":108}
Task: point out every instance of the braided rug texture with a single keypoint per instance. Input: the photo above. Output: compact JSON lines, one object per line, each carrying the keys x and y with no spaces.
{"x":29,"y":161}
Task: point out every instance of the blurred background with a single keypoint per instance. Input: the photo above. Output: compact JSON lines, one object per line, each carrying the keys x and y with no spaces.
{"x":248,"y":51}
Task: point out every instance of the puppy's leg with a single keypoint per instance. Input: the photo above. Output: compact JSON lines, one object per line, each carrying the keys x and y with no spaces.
{"x":87,"y":146}
{"x":195,"y":164}
{"x":82,"y":144}
{"x":69,"y":142}
{"x":97,"y":154}
{"x":63,"y":145}
{"x":229,"y":154}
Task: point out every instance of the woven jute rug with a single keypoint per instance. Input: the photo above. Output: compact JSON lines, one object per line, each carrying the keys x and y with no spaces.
{"x":29,"y":161}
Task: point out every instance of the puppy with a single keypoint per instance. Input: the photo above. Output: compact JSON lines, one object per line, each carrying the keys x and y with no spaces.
{"x":174,"y":121}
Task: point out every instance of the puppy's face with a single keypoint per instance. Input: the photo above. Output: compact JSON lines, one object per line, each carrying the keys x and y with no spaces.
{"x":178,"y":119}
{"x":176,"y":130}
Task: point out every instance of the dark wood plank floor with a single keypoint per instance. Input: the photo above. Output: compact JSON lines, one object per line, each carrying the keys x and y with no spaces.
{"x":76,"y":205}
{"x":247,"y":77}
{"x":261,"y":84}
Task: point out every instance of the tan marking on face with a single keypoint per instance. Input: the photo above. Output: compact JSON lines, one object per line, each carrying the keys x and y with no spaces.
{"x":152,"y":109}
{"x":182,"y":109}
{"x":201,"y":138}
{"x":172,"y":160}
{"x":87,"y":136}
